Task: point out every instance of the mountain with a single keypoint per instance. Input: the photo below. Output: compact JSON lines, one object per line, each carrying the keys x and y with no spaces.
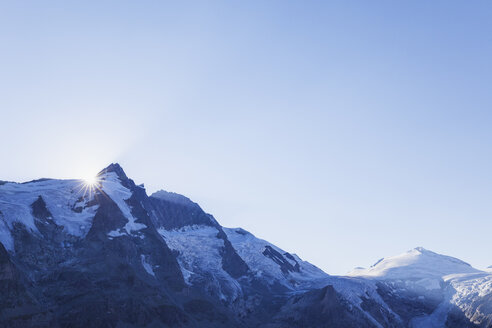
{"x":109,"y":255}
{"x":456,"y":292}
{"x":422,"y":267}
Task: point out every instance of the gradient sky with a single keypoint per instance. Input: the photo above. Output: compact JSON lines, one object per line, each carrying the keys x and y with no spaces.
{"x":343,"y":131}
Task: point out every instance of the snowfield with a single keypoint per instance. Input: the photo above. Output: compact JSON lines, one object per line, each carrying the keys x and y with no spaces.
{"x":417,"y":263}
{"x":66,"y":200}
{"x":429,"y":274}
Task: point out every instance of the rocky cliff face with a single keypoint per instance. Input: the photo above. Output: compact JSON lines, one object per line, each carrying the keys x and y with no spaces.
{"x":109,"y":255}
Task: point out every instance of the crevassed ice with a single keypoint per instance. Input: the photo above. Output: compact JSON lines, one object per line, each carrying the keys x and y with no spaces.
{"x":198,"y":247}
{"x":199,"y":251}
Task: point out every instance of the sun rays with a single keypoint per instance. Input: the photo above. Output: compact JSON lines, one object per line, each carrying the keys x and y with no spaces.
{"x":89,"y":185}
{"x":91,"y":181}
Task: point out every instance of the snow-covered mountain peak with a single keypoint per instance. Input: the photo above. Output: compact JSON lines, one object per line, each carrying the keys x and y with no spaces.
{"x":417,"y":263}
{"x":113,"y":167}
{"x":69,"y":204}
{"x":173,"y":198}
{"x":421,"y":250}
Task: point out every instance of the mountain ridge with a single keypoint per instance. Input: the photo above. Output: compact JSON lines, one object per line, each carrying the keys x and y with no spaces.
{"x":109,"y":255}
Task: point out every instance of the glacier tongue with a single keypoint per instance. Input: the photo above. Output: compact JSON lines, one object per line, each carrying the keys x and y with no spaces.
{"x":198,"y":247}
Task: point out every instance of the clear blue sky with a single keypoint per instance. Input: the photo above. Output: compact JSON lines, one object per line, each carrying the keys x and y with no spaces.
{"x":343,"y":131}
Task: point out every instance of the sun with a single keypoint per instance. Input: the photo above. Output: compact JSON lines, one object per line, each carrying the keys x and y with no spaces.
{"x":90,"y":181}
{"x":89,"y":185}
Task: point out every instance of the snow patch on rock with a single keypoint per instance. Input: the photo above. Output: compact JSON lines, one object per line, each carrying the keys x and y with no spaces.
{"x":111,"y":185}
{"x":251,"y":250}
{"x":146,"y":265}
